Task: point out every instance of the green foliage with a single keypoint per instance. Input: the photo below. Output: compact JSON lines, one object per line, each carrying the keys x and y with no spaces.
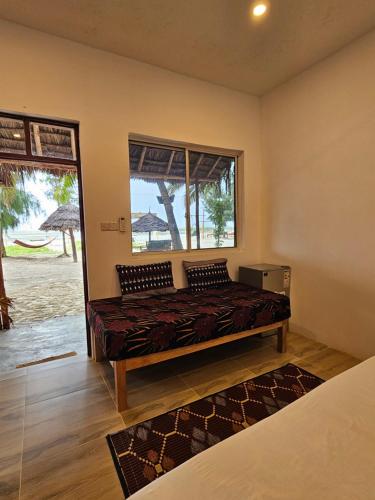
{"x":17,"y":251}
{"x":16,"y":205}
{"x":62,"y":189}
{"x":219,"y":207}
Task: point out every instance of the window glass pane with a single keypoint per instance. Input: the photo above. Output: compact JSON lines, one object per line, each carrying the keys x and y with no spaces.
{"x":53,"y":141}
{"x":12,"y":136}
{"x":158,"y":198}
{"x":212,"y":200}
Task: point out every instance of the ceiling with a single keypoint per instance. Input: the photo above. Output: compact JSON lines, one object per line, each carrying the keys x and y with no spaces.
{"x":213,"y":40}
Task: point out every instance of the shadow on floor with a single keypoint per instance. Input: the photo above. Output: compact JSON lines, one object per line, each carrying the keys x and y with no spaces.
{"x":43,"y":339}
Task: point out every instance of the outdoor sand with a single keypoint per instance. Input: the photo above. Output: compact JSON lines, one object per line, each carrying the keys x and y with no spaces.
{"x":43,"y":287}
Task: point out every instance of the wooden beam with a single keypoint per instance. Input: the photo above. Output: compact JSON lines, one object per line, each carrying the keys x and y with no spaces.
{"x":214,"y":166}
{"x":73,"y":143}
{"x":157,"y":357}
{"x":141,"y":160}
{"x":167,"y":178}
{"x":38,"y":144}
{"x":170,"y":162}
{"x":197,"y":165}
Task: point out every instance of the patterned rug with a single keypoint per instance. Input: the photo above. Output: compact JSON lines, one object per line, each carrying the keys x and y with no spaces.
{"x":150,"y":449}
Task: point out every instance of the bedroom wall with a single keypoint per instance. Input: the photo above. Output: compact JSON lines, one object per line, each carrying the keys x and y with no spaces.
{"x":318,"y":195}
{"x":111,"y":97}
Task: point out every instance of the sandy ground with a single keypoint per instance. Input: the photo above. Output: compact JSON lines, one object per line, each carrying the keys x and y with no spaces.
{"x":43,"y":288}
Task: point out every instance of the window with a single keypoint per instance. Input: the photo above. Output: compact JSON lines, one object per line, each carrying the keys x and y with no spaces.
{"x":12,"y":136}
{"x":167,"y":216}
{"x":23,"y":139}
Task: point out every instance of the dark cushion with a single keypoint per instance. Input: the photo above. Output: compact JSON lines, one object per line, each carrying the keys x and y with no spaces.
{"x":146,"y":280}
{"x":203,"y":275}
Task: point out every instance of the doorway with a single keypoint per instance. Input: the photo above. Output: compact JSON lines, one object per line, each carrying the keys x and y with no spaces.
{"x":43,"y":286}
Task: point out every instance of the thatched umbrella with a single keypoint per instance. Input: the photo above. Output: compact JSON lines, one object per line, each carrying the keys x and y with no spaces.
{"x":65,"y":218}
{"x":148,"y":223}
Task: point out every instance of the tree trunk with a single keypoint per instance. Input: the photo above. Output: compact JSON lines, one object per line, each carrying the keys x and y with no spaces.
{"x":73,"y":242}
{"x":175,"y":234}
{"x":197,"y":228}
{"x":65,"y":252}
{"x":3,"y":251}
{"x":4,"y":317}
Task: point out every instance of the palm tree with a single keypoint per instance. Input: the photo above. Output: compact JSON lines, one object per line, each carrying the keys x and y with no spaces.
{"x":16,"y":206}
{"x":166,"y":194}
{"x":64,"y":191}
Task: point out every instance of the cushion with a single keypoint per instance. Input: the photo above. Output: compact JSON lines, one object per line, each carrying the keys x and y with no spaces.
{"x":205,"y":274}
{"x":146,"y":280}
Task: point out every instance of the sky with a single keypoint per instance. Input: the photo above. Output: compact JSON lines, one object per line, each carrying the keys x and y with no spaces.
{"x":38,"y":188}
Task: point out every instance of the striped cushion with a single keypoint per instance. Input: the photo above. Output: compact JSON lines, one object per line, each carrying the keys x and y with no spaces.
{"x":146,"y":279}
{"x":207,"y":275}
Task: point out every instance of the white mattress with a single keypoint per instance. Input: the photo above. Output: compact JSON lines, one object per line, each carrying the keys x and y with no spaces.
{"x":320,"y":447}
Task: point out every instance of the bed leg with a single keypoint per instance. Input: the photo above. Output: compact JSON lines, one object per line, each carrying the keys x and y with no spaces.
{"x":120,"y":385}
{"x":96,"y":350}
{"x":281,"y":337}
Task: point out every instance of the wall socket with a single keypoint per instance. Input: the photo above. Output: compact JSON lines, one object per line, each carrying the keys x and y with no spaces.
{"x":109,"y":226}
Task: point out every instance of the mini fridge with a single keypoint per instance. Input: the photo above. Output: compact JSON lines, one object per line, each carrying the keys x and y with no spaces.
{"x":267,"y":276}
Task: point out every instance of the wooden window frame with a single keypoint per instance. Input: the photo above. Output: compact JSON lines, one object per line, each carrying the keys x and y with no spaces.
{"x":187,"y":148}
{"x":29,"y":156}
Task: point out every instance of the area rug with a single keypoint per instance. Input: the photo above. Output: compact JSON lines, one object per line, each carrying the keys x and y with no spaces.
{"x":150,"y":449}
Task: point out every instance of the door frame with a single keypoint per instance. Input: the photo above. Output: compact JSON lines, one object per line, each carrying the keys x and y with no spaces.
{"x":76,"y":164}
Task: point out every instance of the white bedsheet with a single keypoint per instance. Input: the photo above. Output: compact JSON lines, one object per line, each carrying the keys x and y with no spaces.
{"x":320,"y":447}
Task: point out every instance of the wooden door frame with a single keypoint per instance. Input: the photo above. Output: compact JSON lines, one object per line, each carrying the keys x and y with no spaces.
{"x":72,"y":164}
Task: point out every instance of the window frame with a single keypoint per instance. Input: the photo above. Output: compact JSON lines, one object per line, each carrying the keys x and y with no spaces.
{"x":188,"y":147}
{"x":29,"y":156}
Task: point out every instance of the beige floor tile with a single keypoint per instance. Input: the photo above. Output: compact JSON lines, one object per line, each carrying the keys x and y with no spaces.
{"x":327,"y":363}
{"x":12,"y":392}
{"x":55,"y":425}
{"x":84,"y":472}
{"x":146,"y":384}
{"x":19,"y":372}
{"x":253,"y":358}
{"x":214,"y":376}
{"x":46,"y":383}
{"x":301,"y":346}
{"x":159,"y":406}
{"x":50,"y":365}
{"x":11,"y":438}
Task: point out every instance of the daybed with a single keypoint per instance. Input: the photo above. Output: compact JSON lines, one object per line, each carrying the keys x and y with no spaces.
{"x":322,"y":446}
{"x":141,"y":332}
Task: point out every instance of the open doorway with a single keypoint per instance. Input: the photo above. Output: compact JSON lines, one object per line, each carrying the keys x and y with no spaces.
{"x":42,"y":266}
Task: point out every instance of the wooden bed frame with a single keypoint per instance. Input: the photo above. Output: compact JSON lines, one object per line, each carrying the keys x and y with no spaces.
{"x":121,"y":367}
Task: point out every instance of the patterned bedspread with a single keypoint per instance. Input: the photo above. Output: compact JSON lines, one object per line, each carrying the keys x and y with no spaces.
{"x":135,"y":328}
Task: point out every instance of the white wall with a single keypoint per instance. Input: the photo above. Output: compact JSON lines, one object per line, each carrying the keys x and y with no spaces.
{"x":319,"y":195}
{"x":111,"y":97}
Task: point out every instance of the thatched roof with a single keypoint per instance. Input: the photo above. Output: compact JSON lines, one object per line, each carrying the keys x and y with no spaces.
{"x":8,"y":167}
{"x":148,"y":223}
{"x":65,"y":217}
{"x":150,"y":163}
{"x":52,"y":141}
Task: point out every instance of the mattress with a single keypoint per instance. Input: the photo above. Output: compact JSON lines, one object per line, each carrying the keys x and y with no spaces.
{"x":128,"y":329}
{"x":322,"y":446}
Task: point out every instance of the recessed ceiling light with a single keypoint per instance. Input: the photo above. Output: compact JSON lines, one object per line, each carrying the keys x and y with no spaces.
{"x":17,"y":136}
{"x":259,"y":9}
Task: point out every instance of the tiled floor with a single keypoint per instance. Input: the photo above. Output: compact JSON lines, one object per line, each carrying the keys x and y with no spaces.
{"x":54,"y":417}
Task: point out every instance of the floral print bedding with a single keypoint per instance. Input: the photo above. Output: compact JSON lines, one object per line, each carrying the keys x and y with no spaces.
{"x":127,"y":329}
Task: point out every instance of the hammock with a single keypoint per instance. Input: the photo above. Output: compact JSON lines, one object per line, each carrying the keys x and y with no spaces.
{"x":27,"y":245}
